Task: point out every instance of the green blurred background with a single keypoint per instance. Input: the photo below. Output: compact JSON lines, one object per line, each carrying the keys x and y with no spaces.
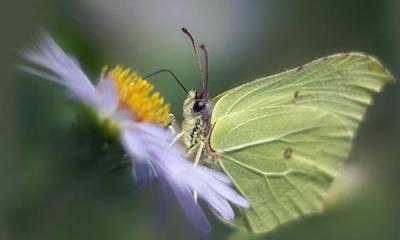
{"x":50,"y":190}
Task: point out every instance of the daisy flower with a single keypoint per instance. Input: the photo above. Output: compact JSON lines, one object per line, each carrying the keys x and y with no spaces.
{"x":140,"y":116}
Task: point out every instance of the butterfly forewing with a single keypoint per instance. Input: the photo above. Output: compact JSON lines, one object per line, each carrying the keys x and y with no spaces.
{"x":282,"y":139}
{"x":342,"y":84}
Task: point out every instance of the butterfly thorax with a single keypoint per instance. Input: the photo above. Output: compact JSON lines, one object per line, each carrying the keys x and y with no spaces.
{"x":196,"y":122}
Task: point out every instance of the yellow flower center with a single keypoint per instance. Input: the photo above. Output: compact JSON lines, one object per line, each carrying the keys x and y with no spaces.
{"x":136,"y":95}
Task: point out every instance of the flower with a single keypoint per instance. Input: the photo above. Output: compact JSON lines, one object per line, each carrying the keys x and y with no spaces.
{"x":140,"y":117}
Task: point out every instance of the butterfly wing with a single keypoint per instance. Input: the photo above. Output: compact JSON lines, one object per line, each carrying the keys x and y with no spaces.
{"x":283,"y":138}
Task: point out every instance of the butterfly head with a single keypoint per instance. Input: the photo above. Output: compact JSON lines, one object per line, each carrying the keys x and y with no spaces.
{"x":200,"y":103}
{"x":196,"y":105}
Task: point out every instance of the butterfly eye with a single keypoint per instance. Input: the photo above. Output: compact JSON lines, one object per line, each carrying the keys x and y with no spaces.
{"x":198,"y":106}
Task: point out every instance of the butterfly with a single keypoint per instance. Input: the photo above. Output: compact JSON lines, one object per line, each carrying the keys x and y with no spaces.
{"x":282,"y":139}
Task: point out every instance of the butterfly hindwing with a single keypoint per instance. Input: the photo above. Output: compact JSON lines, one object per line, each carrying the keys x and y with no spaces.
{"x":287,"y":162}
{"x":282,"y":139}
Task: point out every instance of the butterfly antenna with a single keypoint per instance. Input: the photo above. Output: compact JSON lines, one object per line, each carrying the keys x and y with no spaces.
{"x":205,"y":82}
{"x":171,"y":73}
{"x":189,"y":34}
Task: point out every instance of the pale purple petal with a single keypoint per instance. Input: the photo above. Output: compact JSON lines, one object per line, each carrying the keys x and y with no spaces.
{"x":109,"y":99}
{"x":191,"y":209}
{"x":182,"y":176}
{"x":144,"y":173}
{"x":202,"y":181}
{"x":162,"y":203}
{"x":182,"y":173}
{"x":124,"y":117}
{"x":219,"y":205}
{"x":37,"y":73}
{"x":64,"y":69}
{"x":134,"y":145}
{"x":155,"y":131}
{"x":222,"y":189}
{"x":217,"y":175}
{"x":141,"y":146}
{"x":205,"y":180}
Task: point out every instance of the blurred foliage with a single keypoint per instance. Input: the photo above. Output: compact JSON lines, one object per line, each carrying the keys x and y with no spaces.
{"x":57,"y":177}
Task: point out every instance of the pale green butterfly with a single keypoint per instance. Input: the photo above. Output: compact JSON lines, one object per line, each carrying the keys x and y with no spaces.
{"x":282,"y":139}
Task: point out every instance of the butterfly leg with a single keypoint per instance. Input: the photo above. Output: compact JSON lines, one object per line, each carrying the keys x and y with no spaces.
{"x":198,"y":154}
{"x":180,"y":135}
{"x":196,"y":162}
{"x":173,"y":126}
